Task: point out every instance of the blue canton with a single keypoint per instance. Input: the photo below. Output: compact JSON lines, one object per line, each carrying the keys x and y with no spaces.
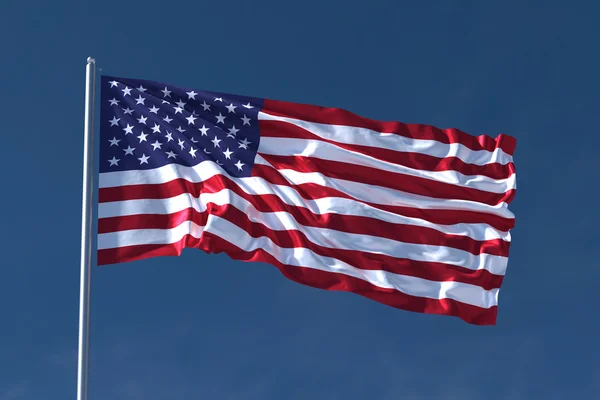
{"x":147,"y":125}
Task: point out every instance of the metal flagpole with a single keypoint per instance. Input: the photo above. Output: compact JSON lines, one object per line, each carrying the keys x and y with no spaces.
{"x":86,"y":232}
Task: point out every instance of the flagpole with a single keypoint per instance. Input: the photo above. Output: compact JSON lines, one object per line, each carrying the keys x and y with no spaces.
{"x":86,"y":232}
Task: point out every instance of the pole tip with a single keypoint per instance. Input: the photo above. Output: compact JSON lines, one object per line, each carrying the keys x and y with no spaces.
{"x":91,"y":60}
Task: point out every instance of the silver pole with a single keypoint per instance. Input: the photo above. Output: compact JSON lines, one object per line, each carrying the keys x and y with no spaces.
{"x":86,"y":232}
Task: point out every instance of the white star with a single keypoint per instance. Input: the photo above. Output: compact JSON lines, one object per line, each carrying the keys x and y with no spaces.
{"x":227,"y":154}
{"x":244,"y":144}
{"x":142,"y":137}
{"x":232,"y":132}
{"x":156,"y":128}
{"x":114,"y":121}
{"x":193,"y":152}
{"x":239,"y":165}
{"x":166,"y":92}
{"x":126,"y":91}
{"x":128,"y":129}
{"x":142,"y":89}
{"x":205,"y":106}
{"x":114,"y":141}
{"x":219,"y":99}
{"x":167,"y":119}
{"x":220,"y":118}
{"x":156,"y":145}
{"x":129,"y":150}
{"x":181,"y":144}
{"x":127,"y":110}
{"x":142,"y":120}
{"x":180,"y":130}
{"x":169,"y":136}
{"x":154,"y":110}
{"x":191,"y":120}
{"x":144,"y":159}
{"x":204,"y":129}
{"x":246,"y":120}
{"x":216,"y":142}
{"x":114,"y":102}
{"x":170,"y":154}
{"x":114,"y":161}
{"x":113,"y":83}
{"x":140,"y":100}
{"x":248,"y":106}
{"x":180,"y":104}
{"x":178,"y":110}
{"x":191,"y":95}
{"x":231,"y":108}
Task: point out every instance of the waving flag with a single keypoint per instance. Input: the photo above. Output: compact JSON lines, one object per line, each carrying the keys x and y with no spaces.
{"x":411,"y":216}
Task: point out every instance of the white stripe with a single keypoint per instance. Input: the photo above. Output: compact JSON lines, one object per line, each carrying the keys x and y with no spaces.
{"x":342,"y":206}
{"x":381,"y":195}
{"x":331,"y":238}
{"x":328,"y":151}
{"x":362,"y":192}
{"x":301,"y":257}
{"x":368,"y":137}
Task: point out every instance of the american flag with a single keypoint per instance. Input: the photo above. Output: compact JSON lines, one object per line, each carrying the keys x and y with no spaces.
{"x":408,"y":215}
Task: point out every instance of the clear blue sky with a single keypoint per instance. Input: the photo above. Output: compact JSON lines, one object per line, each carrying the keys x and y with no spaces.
{"x":204,"y":327}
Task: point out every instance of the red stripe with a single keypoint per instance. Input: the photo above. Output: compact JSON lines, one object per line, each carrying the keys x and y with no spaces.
{"x":296,"y":239}
{"x":281,"y":129}
{"x":307,"y":276}
{"x":391,"y":180}
{"x":311,"y":191}
{"x":442,"y":217}
{"x":336,"y":116}
{"x":272,"y":203}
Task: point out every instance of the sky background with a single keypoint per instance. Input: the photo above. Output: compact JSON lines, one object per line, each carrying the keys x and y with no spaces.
{"x":205,"y":327}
